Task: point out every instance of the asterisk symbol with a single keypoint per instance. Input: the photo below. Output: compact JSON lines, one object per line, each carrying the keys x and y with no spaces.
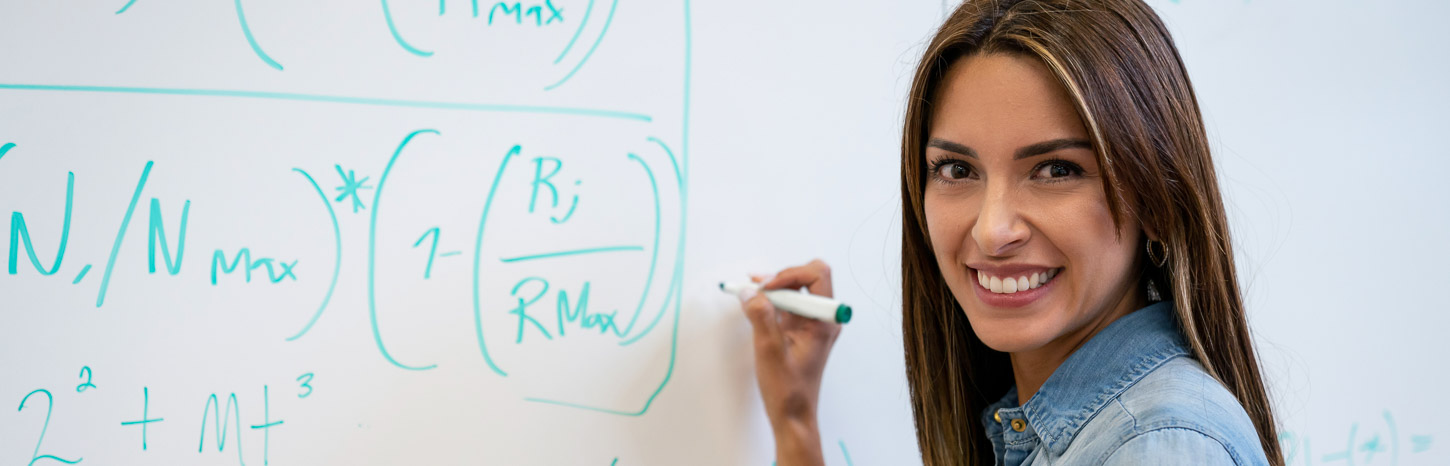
{"x":350,"y":186}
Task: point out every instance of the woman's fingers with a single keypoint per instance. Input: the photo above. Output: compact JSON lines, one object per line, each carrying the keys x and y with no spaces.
{"x":820,"y":331}
{"x":763,"y":320}
{"x":814,"y":276}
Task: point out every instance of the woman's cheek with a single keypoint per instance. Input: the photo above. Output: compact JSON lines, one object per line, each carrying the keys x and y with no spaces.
{"x":936,"y":224}
{"x":947,"y":238}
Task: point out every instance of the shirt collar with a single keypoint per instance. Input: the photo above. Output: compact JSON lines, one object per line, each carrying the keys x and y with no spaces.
{"x":1110,"y":362}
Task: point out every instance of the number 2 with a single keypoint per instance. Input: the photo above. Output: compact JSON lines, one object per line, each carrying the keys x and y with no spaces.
{"x":85,"y":373}
{"x":49,"y":406}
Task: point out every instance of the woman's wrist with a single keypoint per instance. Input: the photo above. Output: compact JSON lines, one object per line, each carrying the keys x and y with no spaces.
{"x":798,"y":441}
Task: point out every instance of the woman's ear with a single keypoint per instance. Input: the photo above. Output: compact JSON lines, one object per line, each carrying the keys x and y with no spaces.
{"x":1150,"y":234}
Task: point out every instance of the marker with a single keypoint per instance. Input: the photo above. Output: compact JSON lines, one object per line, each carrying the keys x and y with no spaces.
{"x":798,"y":302}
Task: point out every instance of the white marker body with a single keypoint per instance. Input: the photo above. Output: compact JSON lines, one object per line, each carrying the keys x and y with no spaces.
{"x":796,"y":302}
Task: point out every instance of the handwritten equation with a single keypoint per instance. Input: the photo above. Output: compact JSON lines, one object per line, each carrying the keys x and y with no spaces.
{"x":456,"y":240}
{"x":217,"y":421}
{"x":535,"y":307}
{"x":225,"y":419}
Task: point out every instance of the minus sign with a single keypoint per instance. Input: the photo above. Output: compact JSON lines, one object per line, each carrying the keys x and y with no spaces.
{"x":81,"y":275}
{"x":450,"y":253}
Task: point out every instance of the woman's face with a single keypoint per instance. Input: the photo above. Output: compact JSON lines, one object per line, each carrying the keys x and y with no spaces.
{"x":1016,"y":208}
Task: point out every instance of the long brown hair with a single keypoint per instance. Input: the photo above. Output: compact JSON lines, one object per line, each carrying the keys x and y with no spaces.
{"x":1120,"y":67}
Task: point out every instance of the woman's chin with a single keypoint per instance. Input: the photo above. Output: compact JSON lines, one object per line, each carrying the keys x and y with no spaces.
{"x":1010,"y":335}
{"x":1013,"y":343}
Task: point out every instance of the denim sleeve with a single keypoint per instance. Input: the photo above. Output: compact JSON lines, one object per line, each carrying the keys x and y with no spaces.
{"x":1171,"y":446}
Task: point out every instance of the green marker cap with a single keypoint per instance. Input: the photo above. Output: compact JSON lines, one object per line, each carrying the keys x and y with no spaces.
{"x":843,"y":314}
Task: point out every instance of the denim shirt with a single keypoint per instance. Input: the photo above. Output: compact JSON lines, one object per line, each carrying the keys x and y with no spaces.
{"x":1130,"y":395}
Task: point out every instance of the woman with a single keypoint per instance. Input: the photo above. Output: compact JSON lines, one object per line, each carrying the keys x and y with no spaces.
{"x":1068,"y":285}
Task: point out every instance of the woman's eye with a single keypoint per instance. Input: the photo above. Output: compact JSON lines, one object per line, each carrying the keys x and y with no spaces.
{"x":1057,"y":169}
{"x":953,"y":171}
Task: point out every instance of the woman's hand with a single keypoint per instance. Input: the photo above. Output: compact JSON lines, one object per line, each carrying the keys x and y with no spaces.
{"x":790,"y":357}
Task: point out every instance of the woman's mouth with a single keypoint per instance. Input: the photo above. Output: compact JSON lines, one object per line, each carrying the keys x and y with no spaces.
{"x":1023,"y":282}
{"x":1015,"y":290}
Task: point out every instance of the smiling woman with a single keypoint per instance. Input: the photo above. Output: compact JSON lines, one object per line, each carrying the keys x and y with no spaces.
{"x":1069,"y":294}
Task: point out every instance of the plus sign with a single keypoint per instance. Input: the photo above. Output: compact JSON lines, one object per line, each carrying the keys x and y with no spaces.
{"x":145,"y":415}
{"x":267,"y":424}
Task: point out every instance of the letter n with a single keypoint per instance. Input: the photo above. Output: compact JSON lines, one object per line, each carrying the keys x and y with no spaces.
{"x":19,"y":233}
{"x":158,"y":232}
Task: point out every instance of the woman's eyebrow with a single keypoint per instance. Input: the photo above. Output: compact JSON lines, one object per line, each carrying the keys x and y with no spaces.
{"x":952,"y":146}
{"x":1049,"y":146}
{"x":1025,"y":152}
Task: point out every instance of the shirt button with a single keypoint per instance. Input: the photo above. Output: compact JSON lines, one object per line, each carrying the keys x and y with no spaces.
{"x":1019,"y":425}
{"x":997,"y":415}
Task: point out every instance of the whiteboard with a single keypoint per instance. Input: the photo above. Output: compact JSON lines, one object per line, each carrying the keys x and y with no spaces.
{"x":401,"y":174}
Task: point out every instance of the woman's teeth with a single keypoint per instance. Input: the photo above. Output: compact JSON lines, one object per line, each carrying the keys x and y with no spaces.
{"x":1013,"y":285}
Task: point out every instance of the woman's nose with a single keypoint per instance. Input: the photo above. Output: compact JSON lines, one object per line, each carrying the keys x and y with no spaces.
{"x":999,"y":229}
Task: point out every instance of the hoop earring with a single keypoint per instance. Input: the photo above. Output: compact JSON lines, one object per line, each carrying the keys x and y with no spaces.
{"x":1154,"y":257}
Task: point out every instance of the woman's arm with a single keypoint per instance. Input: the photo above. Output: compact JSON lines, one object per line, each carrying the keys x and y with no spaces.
{"x":790,"y":357}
